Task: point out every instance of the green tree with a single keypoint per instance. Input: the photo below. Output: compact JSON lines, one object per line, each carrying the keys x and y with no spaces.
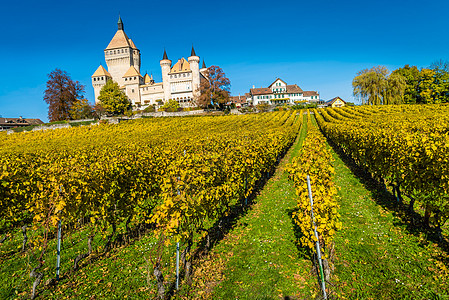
{"x":112,"y":99}
{"x":61,"y":93}
{"x":369,"y":85}
{"x":263,"y":107}
{"x":81,"y":109}
{"x":411,"y":76}
{"x":427,"y":86}
{"x":170,"y":105}
{"x":441,"y":69}
{"x":394,"y":92}
{"x":374,"y":86}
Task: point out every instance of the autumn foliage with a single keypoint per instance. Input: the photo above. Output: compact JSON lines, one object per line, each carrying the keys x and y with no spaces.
{"x":61,"y":94}
{"x":215,"y":89}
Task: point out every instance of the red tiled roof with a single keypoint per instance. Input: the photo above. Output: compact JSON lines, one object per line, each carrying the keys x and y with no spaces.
{"x":293,"y":89}
{"x":277,"y":80}
{"x":310,"y":93}
{"x":261,"y":91}
{"x":238,"y":99}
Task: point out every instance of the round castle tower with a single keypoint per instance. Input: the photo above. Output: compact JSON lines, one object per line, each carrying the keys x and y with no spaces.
{"x":194,"y":62}
{"x":165,"y":67}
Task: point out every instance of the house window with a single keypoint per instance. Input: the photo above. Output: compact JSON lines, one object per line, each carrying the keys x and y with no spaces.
{"x":132,"y":91}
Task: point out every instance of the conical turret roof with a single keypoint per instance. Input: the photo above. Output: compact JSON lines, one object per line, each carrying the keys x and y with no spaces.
{"x":192,"y":53}
{"x":165,"y":55}
{"x":101,"y":71}
{"x":132,"y":72}
{"x":147,"y":78}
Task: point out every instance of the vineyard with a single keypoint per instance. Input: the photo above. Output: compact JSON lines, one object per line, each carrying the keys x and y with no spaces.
{"x":140,"y":189}
{"x":405,"y":147}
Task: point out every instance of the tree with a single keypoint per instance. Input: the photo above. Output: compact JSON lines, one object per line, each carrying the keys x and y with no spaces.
{"x":214,"y":90}
{"x":99,"y":111}
{"x":374,"y":86}
{"x":61,"y":93}
{"x":263,"y":107}
{"x":112,"y":99}
{"x":81,"y":109}
{"x":426,"y":86}
{"x":411,"y":76}
{"x":170,"y":105}
{"x":395,"y":89}
{"x":441,"y":69}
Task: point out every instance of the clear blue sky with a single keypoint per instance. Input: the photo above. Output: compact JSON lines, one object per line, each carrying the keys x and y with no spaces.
{"x":319,"y":45}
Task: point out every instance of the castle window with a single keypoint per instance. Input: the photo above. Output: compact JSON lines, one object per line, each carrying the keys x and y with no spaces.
{"x":132,"y":91}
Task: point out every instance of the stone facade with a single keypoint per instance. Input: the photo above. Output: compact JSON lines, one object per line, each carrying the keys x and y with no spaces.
{"x":180,"y":82}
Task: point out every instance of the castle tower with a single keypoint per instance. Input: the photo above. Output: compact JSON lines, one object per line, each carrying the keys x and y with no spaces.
{"x":133,"y":80}
{"x":99,"y":79}
{"x":165,"y":67}
{"x":194,"y":62}
{"x":120,"y":54}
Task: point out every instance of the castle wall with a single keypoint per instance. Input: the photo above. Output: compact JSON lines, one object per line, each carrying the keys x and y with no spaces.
{"x":118,"y":62}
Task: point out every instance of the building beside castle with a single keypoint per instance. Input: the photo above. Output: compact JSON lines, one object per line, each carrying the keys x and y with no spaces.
{"x":180,"y":82}
{"x":280,"y":92}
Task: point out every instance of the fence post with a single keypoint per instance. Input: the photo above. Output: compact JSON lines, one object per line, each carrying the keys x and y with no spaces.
{"x":58,"y":257}
{"x":317,"y":244}
{"x":177,"y":245}
{"x":246,"y":189}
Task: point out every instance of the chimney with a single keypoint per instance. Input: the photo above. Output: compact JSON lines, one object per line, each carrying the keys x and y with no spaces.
{"x":254,"y":86}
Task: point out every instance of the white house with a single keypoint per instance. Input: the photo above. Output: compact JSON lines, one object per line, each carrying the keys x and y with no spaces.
{"x":280,"y":92}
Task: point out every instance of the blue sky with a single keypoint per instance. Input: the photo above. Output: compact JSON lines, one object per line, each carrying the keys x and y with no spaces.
{"x":319,"y":45}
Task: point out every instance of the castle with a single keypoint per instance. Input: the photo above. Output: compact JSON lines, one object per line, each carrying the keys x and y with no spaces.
{"x":180,"y":82}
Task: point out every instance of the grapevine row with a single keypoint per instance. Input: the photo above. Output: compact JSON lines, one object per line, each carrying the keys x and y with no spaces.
{"x":315,"y":160}
{"x":404,"y":146}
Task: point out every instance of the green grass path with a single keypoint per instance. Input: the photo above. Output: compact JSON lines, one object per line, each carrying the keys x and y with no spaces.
{"x":259,"y":259}
{"x":376,"y":256}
